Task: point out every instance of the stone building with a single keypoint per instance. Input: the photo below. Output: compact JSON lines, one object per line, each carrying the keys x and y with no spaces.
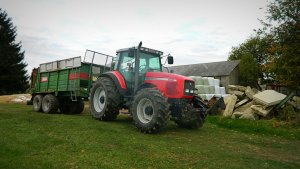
{"x":226,"y":71}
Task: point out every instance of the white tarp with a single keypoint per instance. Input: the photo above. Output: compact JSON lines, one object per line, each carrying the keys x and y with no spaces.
{"x":61,"y":64}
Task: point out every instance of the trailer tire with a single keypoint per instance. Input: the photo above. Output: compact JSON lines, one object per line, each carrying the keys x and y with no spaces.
{"x":67,"y":106}
{"x":104,"y":100}
{"x":76,"y":107}
{"x":64,"y":106}
{"x":150,"y":110}
{"x":50,"y":104}
{"x":37,"y":103}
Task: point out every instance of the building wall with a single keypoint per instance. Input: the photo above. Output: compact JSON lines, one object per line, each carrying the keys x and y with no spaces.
{"x":232,"y":79}
{"x":234,"y":76}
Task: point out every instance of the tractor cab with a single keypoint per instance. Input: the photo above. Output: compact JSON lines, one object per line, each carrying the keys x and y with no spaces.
{"x":134,"y":62}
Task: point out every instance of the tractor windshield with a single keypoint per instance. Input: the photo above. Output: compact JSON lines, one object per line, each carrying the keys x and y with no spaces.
{"x":149,"y":63}
{"x":125,"y":64}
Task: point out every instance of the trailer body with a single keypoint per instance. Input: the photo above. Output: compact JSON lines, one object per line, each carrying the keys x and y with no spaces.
{"x":67,"y":81}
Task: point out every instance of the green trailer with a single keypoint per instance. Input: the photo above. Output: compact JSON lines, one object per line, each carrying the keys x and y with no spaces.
{"x":64,"y":84}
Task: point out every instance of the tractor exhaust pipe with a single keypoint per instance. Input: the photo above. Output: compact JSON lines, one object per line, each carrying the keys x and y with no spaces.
{"x":137,"y":67}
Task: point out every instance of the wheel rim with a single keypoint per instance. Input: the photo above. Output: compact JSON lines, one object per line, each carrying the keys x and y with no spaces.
{"x":99,"y":100}
{"x":36,"y":103}
{"x":145,"y":110}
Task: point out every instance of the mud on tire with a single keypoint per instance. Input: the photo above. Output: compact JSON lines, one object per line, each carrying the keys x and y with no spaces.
{"x":150,"y":110}
{"x":104,"y":100}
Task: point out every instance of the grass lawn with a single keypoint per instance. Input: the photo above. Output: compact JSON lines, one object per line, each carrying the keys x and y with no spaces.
{"x":36,"y":140}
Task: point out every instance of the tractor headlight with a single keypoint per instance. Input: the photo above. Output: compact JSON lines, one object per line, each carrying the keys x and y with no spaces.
{"x":189,"y":87}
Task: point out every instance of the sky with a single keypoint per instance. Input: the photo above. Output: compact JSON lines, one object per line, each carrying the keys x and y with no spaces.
{"x":192,"y":31}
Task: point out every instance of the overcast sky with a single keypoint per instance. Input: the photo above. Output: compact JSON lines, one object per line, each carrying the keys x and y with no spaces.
{"x":193,"y":31}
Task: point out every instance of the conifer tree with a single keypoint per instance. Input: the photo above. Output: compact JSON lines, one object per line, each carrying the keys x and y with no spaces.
{"x":13,"y":75}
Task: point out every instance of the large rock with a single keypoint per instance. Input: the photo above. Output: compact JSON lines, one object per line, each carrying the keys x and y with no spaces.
{"x":248,"y":114}
{"x":236,"y":87}
{"x":230,"y":105}
{"x":239,"y":94}
{"x":249,"y":92}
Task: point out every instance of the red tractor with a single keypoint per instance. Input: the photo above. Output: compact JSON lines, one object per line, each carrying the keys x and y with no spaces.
{"x":137,"y":83}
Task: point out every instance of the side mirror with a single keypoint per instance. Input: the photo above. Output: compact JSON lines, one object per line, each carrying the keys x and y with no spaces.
{"x":131,"y":53}
{"x":170,"y":59}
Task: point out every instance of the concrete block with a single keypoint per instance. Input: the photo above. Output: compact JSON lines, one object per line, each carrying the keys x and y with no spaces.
{"x":268,"y":98}
{"x":242,"y":102}
{"x":260,"y":110}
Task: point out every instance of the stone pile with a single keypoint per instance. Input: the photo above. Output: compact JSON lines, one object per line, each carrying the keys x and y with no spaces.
{"x":249,"y":103}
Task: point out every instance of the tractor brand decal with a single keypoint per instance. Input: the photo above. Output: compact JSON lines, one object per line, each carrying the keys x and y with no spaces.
{"x":44,"y":79}
{"x":83,"y":76}
{"x":158,"y":78}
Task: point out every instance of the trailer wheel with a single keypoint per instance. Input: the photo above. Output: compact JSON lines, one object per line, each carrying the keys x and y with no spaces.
{"x":150,"y":110}
{"x":64,"y":106}
{"x":68,"y":106}
{"x":50,"y":104}
{"x":37,"y":103}
{"x":104,"y":100}
{"x":76,"y":107}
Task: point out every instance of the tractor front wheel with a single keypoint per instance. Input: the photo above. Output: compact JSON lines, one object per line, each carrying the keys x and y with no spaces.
{"x":150,"y":110}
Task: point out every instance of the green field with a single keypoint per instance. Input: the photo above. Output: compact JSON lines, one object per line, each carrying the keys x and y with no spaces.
{"x":35,"y":140}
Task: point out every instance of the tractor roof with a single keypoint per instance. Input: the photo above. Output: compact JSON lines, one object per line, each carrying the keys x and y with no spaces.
{"x":142,"y":49}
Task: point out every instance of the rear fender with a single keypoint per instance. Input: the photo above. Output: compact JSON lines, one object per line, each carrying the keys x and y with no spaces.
{"x":118,"y":80}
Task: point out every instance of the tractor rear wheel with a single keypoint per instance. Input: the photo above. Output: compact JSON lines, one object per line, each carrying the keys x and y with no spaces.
{"x":50,"y":104}
{"x":192,"y":118}
{"x":104,"y":100}
{"x":37,"y":103}
{"x":150,"y":110}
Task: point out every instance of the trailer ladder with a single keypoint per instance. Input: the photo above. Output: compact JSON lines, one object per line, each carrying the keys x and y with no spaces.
{"x":73,"y":83}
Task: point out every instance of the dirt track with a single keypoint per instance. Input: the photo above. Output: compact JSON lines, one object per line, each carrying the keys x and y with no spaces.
{"x":16,"y":98}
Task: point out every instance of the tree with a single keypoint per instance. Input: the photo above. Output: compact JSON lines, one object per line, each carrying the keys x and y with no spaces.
{"x":13,"y":78}
{"x":253,"y":54}
{"x":249,"y":70}
{"x":284,"y":26}
{"x":276,"y":47}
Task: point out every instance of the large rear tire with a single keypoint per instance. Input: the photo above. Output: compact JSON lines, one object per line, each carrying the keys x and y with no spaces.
{"x":104,"y":100}
{"x":50,"y":104}
{"x":150,"y":110}
{"x":37,"y":103}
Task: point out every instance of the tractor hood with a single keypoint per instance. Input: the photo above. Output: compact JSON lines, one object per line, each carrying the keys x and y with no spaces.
{"x":172,"y":85}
